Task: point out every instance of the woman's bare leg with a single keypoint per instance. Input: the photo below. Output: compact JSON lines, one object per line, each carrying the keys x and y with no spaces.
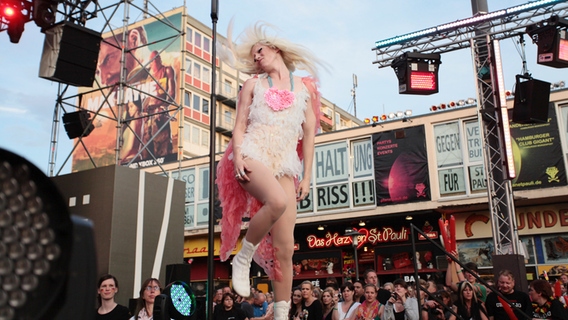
{"x":265,"y":188}
{"x":283,"y":241}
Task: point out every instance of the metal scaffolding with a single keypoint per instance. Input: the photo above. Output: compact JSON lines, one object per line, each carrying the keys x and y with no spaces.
{"x":478,"y":33}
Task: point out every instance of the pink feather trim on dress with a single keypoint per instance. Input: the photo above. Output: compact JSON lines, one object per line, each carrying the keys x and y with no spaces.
{"x":237,"y":203}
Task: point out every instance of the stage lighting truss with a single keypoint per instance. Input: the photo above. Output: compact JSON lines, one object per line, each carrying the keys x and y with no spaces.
{"x":36,"y":232}
{"x":13,"y":16}
{"x":417,"y":73}
{"x":551,"y":37}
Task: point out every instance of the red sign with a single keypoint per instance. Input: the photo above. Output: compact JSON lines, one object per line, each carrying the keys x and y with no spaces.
{"x":431,"y":235}
{"x":372,"y":236}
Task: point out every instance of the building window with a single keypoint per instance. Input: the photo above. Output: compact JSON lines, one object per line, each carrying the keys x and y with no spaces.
{"x":206,"y":44}
{"x":197,"y":39}
{"x":196,"y":70}
{"x":186,"y":132}
{"x":205,"y":138}
{"x":227,"y":87}
{"x":187,"y":99}
{"x":188,"y":67}
{"x":189,"y":34}
{"x":228,"y":119}
{"x":205,"y":106}
{"x":195,"y":135}
{"x":196,"y":102}
{"x":206,"y":75}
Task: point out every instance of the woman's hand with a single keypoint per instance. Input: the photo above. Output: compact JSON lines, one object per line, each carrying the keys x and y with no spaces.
{"x":241,"y":170}
{"x":303,"y":189}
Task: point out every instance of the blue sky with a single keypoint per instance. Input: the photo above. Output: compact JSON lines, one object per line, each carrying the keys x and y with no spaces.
{"x":341,"y":33}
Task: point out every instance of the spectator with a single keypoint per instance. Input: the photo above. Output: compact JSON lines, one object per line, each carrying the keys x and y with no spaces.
{"x":543,"y":304}
{"x":346,"y":308}
{"x":371,"y":278}
{"x":145,"y":304}
{"x":328,"y":304}
{"x":218,"y":299}
{"x":260,"y":306}
{"x":108,"y":309}
{"x":480,"y":289}
{"x":227,"y":310}
{"x":435,"y":310}
{"x":332,"y":282}
{"x":371,"y":308}
{"x":388,"y":286}
{"x":401,"y":303}
{"x":564,"y":278}
{"x":506,"y":285}
{"x":296,"y":309}
{"x":311,"y":307}
{"x":467,"y":306}
{"x":246,"y":306}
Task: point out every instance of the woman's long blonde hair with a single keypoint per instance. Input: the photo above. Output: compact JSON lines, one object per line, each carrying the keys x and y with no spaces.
{"x":295,"y":56}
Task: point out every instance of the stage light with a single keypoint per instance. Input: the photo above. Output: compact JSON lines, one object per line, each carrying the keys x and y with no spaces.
{"x":48,"y":265}
{"x":461,"y":103}
{"x":452,"y":104}
{"x":443,"y":106}
{"x":417,"y":73}
{"x":434,"y":108}
{"x":375,"y":118}
{"x":392,"y":115}
{"x":383,"y":117}
{"x":367,"y":120}
{"x":12,"y":13}
{"x":551,"y":37}
{"x":408,"y":113}
{"x":176,"y":302}
{"x":44,"y":13}
{"x":470,"y":101}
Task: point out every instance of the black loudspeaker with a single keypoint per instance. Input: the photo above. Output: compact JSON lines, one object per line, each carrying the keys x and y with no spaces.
{"x":76,"y":123}
{"x":200,"y":309}
{"x":178,"y":272}
{"x":531,"y":101}
{"x":70,"y":54}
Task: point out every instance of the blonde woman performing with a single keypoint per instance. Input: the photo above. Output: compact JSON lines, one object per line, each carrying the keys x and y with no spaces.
{"x":277,"y":118}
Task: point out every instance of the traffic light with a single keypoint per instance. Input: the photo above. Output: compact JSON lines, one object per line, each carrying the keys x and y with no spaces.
{"x":44,"y":13}
{"x":12,"y":15}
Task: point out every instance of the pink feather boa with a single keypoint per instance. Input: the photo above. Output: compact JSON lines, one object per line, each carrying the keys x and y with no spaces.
{"x":237,"y":203}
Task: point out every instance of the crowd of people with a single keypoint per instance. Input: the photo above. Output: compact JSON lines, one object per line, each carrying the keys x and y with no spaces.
{"x":367,"y":300}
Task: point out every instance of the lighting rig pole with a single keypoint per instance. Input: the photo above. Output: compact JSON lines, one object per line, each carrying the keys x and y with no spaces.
{"x":482,"y":33}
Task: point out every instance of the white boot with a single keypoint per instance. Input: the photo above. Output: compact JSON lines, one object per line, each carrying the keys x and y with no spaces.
{"x":281,"y":310}
{"x":241,"y":268}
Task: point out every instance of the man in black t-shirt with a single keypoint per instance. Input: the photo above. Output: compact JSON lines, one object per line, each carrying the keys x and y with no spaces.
{"x":520,"y":300}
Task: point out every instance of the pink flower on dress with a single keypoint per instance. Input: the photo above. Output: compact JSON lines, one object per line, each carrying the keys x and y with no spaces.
{"x":278,"y":99}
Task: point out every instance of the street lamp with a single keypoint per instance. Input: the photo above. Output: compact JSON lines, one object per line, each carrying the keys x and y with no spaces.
{"x":354,"y":234}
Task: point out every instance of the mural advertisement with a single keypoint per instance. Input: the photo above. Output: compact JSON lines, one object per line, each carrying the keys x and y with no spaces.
{"x":401,"y":166}
{"x":146,"y":123}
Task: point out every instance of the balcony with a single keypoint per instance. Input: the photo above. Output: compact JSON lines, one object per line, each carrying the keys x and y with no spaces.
{"x":226,"y":94}
{"x":224,"y":124}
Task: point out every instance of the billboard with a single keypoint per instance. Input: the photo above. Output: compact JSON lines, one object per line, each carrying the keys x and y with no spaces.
{"x":142,"y":111}
{"x":537,"y":151}
{"x":401,"y":166}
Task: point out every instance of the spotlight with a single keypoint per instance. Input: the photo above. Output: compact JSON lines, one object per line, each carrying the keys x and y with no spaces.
{"x":470,"y":101}
{"x":47,"y":265}
{"x":44,"y":13}
{"x":442,"y":106}
{"x":399,"y":114}
{"x":408,"y":218}
{"x":320,"y":227}
{"x":452,"y":104}
{"x":551,"y":38}
{"x":177,"y":302}
{"x":383,"y":117}
{"x":367,"y":120}
{"x":375,"y":119}
{"x":434,"y":108}
{"x":417,"y":73}
{"x":361,"y":223}
{"x":391,"y":115}
{"x":408,"y":113}
{"x":461,"y":103}
{"x":12,"y":13}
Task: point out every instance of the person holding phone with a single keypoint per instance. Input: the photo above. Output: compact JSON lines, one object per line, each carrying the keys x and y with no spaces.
{"x":401,"y":306}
